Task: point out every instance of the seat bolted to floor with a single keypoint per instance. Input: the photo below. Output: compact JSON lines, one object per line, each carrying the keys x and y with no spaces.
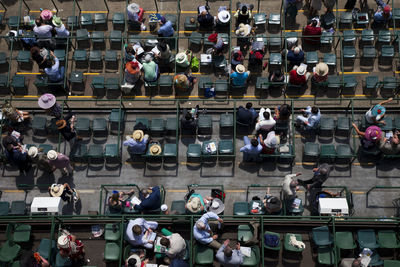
{"x":311,"y":150}
{"x":276,"y":248}
{"x":39,"y":125}
{"x":203,"y":255}
{"x":245,"y":233}
{"x":21,"y":232}
{"x":241,"y":208}
{"x":189,"y":25}
{"x":226,"y":122}
{"x":86,"y":20}
{"x":193,"y":153}
{"x":178,"y":206}
{"x":112,"y":153}
{"x":225,"y":147}
{"x":328,"y":153}
{"x":205,"y":82}
{"x":79,"y":154}
{"x":326,"y":125}
{"x":95,"y":153}
{"x":262,"y":83}
{"x":288,"y":246}
{"x":112,"y":232}
{"x":204,"y":124}
{"x":165,"y":81}
{"x":99,"y":127}
{"x":97,"y":85}
{"x":82,"y":126}
{"x":169,"y":152}
{"x":157,"y":126}
{"x":111,"y":251}
{"x":118,"y":20}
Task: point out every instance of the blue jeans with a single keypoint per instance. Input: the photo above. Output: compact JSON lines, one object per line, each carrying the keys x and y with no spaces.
{"x":61,"y":72}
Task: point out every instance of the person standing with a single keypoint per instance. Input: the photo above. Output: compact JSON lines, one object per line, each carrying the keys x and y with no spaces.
{"x":289,"y":185}
{"x":229,"y":257}
{"x":49,"y":103}
{"x":321,"y":174}
{"x":376,"y":113}
{"x":60,"y":161}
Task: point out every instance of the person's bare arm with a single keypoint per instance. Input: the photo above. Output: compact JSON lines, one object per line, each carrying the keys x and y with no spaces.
{"x":261,"y":139}
{"x":385,"y":101}
{"x":357,"y":130}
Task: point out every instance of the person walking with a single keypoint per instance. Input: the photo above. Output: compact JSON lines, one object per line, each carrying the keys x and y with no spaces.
{"x":321,"y":174}
{"x":60,"y":161}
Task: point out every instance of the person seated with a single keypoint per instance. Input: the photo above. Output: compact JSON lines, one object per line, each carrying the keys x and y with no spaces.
{"x":204,"y":17}
{"x":54,"y":71}
{"x":162,"y":53}
{"x":184,"y":81}
{"x":240,"y":75}
{"x":243,"y":32}
{"x":17,"y":156}
{"x":382,"y":15}
{"x":129,"y":52}
{"x":251,"y":149}
{"x":40,"y":56}
{"x":320,"y":73}
{"x":282,"y":112}
{"x":299,"y":75}
{"x":138,"y":52}
{"x":272,"y":205}
{"x":137,"y":143}
{"x":310,"y":118}
{"x":196,"y":204}
{"x":223,"y":17}
{"x":227,"y":256}
{"x":243,"y":14}
{"x":30,"y":258}
{"x":42,"y":30}
{"x":138,"y":232}
{"x":69,"y":246}
{"x":276,"y":76}
{"x":11,"y":139}
{"x":290,"y":186}
{"x":136,"y":259}
{"x":270,"y":144}
{"x":59,"y":27}
{"x":265,"y":121}
{"x":237,"y":58}
{"x":312,"y":33}
{"x":64,"y":191}
{"x":295,"y":56}
{"x":166,"y":28}
{"x":189,"y":120}
{"x":117,"y":200}
{"x":389,"y":144}
{"x":13,"y":114}
{"x":150,"y":199}
{"x":135,"y":14}
{"x":203,"y":230}
{"x":371,"y":137}
{"x":132,"y":72}
{"x":176,"y":246}
{"x":218,"y":44}
{"x":150,"y":69}
{"x":246,"y":115}
{"x":376,"y":113}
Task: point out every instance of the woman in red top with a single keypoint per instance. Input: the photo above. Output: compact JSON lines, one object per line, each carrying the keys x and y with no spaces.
{"x":298,"y":76}
{"x":320,"y":73}
{"x":312,"y":32}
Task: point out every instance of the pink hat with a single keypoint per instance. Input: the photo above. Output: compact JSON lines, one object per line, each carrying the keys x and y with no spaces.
{"x":46,"y":101}
{"x":373,"y":133}
{"x":386,"y":9}
{"x":46,"y":14}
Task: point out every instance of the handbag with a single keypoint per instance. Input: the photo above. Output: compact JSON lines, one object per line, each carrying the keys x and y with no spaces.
{"x":271,"y":240}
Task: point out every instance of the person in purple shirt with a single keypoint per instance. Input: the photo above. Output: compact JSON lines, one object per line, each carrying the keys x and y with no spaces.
{"x":150,"y":201}
{"x":251,"y":149}
{"x":60,"y":161}
{"x":137,"y":143}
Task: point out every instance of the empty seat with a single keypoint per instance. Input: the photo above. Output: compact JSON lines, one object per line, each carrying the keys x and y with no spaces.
{"x":118,"y":21}
{"x":86,"y":20}
{"x":240,"y":208}
{"x":311,"y":150}
{"x":204,"y":124}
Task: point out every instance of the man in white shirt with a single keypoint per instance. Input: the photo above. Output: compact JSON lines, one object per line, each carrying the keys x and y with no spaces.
{"x":289,"y":185}
{"x":138,"y":231}
{"x":43,"y":31}
{"x":265,"y":120}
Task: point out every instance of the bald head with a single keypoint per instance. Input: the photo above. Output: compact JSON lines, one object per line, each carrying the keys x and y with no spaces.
{"x":200,"y":225}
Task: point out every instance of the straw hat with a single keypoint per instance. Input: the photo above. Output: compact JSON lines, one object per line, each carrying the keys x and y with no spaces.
{"x":52,"y":155}
{"x":133,"y":8}
{"x":46,"y":101}
{"x":321,"y":69}
{"x":57,"y":21}
{"x":194,"y":204}
{"x":61,"y":124}
{"x":181,"y":79}
{"x":46,"y":14}
{"x":240,"y":68}
{"x":378,"y":111}
{"x":33,"y":151}
{"x":56,"y":190}
{"x":224,"y":16}
{"x":138,"y":135}
{"x":217,"y":206}
{"x":181,"y":58}
{"x":301,"y":70}
{"x":63,"y":241}
{"x":243,"y":30}
{"x":155,"y":149}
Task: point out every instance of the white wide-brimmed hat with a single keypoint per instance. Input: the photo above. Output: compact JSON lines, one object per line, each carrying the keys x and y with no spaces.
{"x":301,"y":70}
{"x":240,"y":68}
{"x":133,"y":8}
{"x":33,"y":151}
{"x":63,"y":241}
{"x":243,"y":30}
{"x":52,"y":155}
{"x":224,"y":16}
{"x":217,"y":206}
{"x":322,"y":69}
{"x":56,"y":190}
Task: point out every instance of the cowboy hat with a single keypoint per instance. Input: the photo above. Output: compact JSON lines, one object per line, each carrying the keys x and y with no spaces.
{"x":56,"y":190}
{"x":33,"y":151}
{"x":378,"y":111}
{"x":133,"y":8}
{"x":46,"y":101}
{"x":46,"y":14}
{"x":155,"y":150}
{"x":181,"y":58}
{"x":321,"y":69}
{"x":61,"y":124}
{"x":243,"y":30}
{"x":57,"y":21}
{"x":194,"y":204}
{"x":224,"y":16}
{"x":217,"y":206}
{"x":181,"y":79}
{"x":138,"y":135}
{"x":240,"y":68}
{"x":273,"y":204}
{"x":373,"y":133}
{"x":63,"y":241}
{"x":301,"y":70}
{"x":52,"y":155}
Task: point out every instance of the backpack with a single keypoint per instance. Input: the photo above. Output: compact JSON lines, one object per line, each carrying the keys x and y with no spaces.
{"x":271,"y":240}
{"x":194,"y":65}
{"x":209,"y":92}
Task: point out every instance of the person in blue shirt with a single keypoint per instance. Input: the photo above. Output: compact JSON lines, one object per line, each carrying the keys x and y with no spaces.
{"x":383,"y":14}
{"x":246,"y":115}
{"x":251,"y":149}
{"x":150,"y":201}
{"x":137,"y":143}
{"x":310,"y":118}
{"x":166,"y":29}
{"x":202,"y":231}
{"x":54,"y":71}
{"x":239,"y":77}
{"x":295,"y":56}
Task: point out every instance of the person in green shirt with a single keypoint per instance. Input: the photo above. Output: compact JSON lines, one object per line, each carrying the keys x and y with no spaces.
{"x":150,"y":69}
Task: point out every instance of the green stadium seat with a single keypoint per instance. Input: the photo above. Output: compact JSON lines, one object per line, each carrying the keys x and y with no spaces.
{"x":287,"y":244}
{"x":349,"y":52}
{"x":157,"y":126}
{"x":13,"y":22}
{"x":195,"y":39}
{"x":144,"y":121}
{"x":112,"y":232}
{"x":244,"y":233}
{"x":349,"y":84}
{"x":366,"y":239}
{"x":72,"y":21}
{"x":221,"y":87}
{"x":86,"y":20}
{"x":39,"y":125}
{"x":371,"y":83}
{"x":44,"y":246}
{"x":24,"y":59}
{"x":279,"y":246}
{"x":275,"y":42}
{"x":387,"y":51}
{"x":262,"y":83}
{"x":80,"y":57}
{"x":99,"y":127}
{"x":82,"y":126}
{"x":274,"y":19}
{"x":178,"y":206}
{"x":18,"y":207}
{"x":328,"y":153}
{"x":204,"y":124}
{"x":21,"y":233}
{"x":60,"y":54}
{"x":260,"y":19}
{"x":98,"y":40}
{"x":226,"y":121}
{"x":16,"y":264}
{"x":388,"y":239}
{"x":95,"y":59}
{"x":391,"y":263}
{"x":115,"y":39}
{"x":334,"y":82}
{"x":173,"y":18}
{"x":170,"y":152}
{"x":204,"y":150}
{"x":346,"y":19}
{"x":275,"y":59}
{"x":311,"y":150}
{"x":345,"y":240}
{"x":312,"y":57}
{"x":225,"y":147}
{"x":343,"y":153}
{"x":60,"y":261}
{"x":112,"y":87}
{"x":326,"y":125}
{"x":76,"y":77}
{"x":9,"y":251}
{"x":367,"y":36}
{"x":118,"y":21}
{"x":18,"y":84}
{"x":389,"y":86}
{"x":254,"y":259}
{"x":100,"y":19}
{"x":45,"y":148}
{"x":111,"y":252}
{"x":326,"y":256}
{"x":111,"y":59}
{"x":97,"y":85}
{"x":95,"y":153}
{"x":116,"y":116}
{"x":384,"y":37}
{"x":330,"y":59}
{"x":322,"y":236}
{"x":368,"y":52}
{"x":362,"y":20}
{"x":165,"y":81}
{"x":189,"y":26}
{"x":241,"y":208}
{"x":343,"y":126}
{"x":111,"y":153}
{"x":82,"y":37}
{"x":326,"y":38}
{"x":349,"y":36}
{"x":193,"y":153}
{"x":4,"y":208}
{"x":171,"y":125}
{"x":203,"y":255}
